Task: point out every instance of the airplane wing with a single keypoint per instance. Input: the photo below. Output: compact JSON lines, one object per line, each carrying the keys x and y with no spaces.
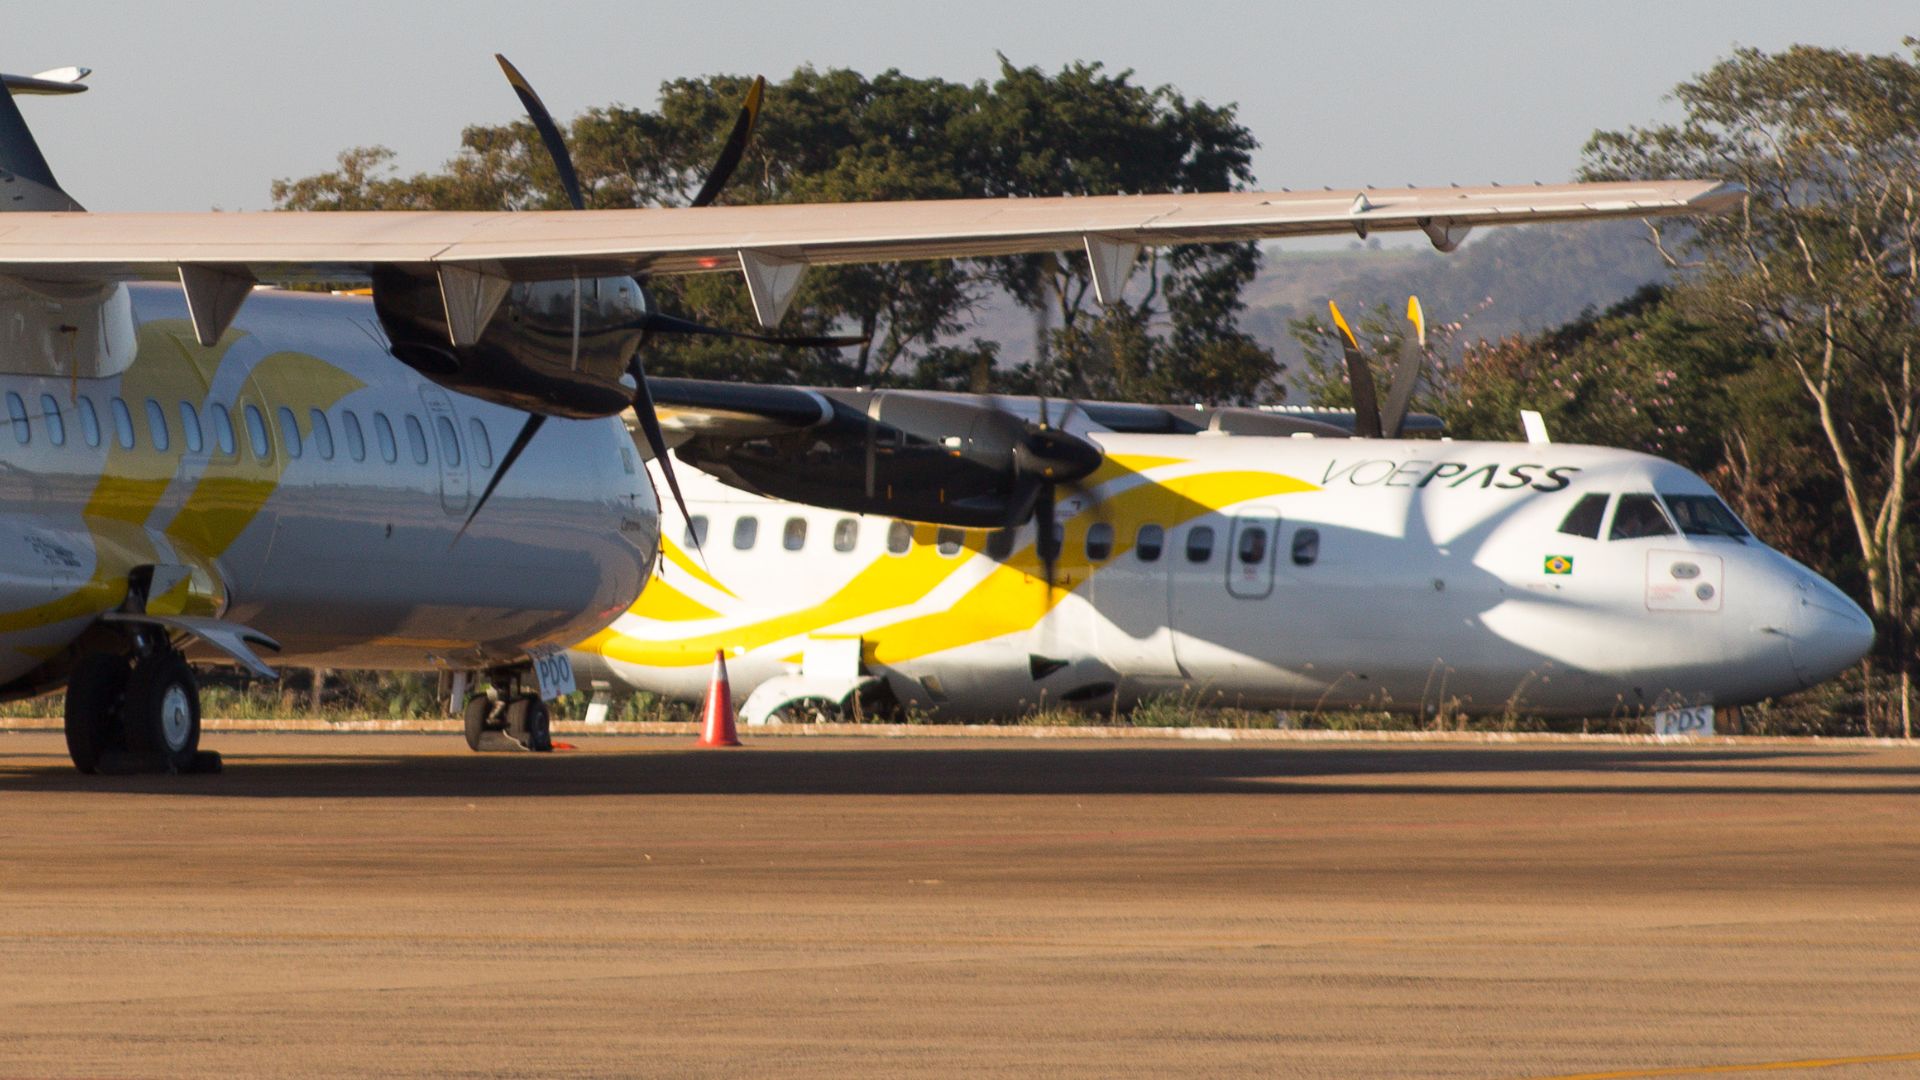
{"x":767,"y":239}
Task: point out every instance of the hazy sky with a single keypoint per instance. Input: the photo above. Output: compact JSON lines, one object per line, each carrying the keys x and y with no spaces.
{"x":202,"y":105}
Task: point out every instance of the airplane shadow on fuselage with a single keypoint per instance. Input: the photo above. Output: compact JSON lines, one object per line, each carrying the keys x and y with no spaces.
{"x":647,"y":767}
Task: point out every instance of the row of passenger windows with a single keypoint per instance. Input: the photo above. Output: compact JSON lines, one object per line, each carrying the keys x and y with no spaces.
{"x":1641,"y":514}
{"x":1149,"y":541}
{"x":294,"y":443}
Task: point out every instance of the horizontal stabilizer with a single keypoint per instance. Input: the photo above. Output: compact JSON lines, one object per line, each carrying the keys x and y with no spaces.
{"x":64,"y":80}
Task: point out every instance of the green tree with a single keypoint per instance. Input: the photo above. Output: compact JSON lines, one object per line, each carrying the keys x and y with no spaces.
{"x":1823,"y":266}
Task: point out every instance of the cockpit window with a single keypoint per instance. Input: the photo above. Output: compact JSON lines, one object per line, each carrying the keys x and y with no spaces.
{"x":1703,"y":515}
{"x":1584,"y":518}
{"x":1639,"y":515}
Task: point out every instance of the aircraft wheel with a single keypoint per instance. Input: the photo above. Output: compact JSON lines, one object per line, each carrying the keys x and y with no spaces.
{"x":162,"y":711}
{"x":478,"y":721}
{"x":95,"y":690}
{"x":529,"y":724}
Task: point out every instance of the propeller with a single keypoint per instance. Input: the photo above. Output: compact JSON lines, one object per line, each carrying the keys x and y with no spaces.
{"x":1371,"y":420}
{"x":652,"y":321}
{"x":1053,"y":457}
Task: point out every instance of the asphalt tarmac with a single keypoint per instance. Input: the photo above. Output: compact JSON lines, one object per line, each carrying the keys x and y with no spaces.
{"x":370,"y":904}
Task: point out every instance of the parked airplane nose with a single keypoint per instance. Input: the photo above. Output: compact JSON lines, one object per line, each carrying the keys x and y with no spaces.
{"x":1830,"y":632}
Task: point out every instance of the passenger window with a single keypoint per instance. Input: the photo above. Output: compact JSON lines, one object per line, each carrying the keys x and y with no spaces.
{"x":257,"y":433}
{"x":190,"y":428}
{"x":1584,"y":519}
{"x":1148,"y":542}
{"x":899,"y":538}
{"x":416,"y":439}
{"x":17,"y":413}
{"x":449,"y":440}
{"x":745,"y":531}
{"x":157,"y":425}
{"x":122,"y":424}
{"x":56,"y":426}
{"x":1637,"y":516}
{"x":1000,"y":544}
{"x":1253,"y":545}
{"x":696,"y":535}
{"x":289,"y":432}
{"x":1200,"y":544}
{"x":1306,"y":547}
{"x":322,"y":434}
{"x":1099,"y":541}
{"x":89,"y":422}
{"x":356,"y":439}
{"x":949,"y":541}
{"x":794,"y":536}
{"x":223,"y":430}
{"x":846,"y":534}
{"x":478,"y":441}
{"x":383,"y":432}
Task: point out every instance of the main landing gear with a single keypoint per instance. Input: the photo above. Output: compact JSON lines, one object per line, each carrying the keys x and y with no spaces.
{"x":137,"y":711}
{"x":514,"y":721}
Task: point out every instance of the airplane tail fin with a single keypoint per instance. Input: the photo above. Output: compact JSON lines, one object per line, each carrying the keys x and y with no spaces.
{"x":26,"y":181}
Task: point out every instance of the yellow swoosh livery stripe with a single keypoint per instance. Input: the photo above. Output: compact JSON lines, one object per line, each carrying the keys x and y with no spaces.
{"x":168,"y":368}
{"x":1013,"y":597}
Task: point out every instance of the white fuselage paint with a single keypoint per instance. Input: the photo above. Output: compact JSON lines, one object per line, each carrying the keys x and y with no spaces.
{"x":347,"y":560}
{"x":1429,"y":591}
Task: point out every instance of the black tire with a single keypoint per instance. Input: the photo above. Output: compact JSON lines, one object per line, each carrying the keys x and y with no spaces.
{"x":94,"y":692}
{"x":529,"y":725}
{"x":539,"y":727}
{"x":477,"y":719}
{"x":162,"y":712}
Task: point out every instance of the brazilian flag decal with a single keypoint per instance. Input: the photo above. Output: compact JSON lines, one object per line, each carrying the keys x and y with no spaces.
{"x":1559,"y":564}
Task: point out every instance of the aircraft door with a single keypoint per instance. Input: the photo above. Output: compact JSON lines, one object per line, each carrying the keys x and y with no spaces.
{"x":1250,"y":553}
{"x":443,"y":435}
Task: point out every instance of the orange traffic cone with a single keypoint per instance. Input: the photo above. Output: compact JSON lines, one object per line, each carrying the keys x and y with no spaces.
{"x":716,"y":727}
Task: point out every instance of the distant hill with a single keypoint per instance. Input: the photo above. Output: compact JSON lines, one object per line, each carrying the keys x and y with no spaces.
{"x":1509,"y":282}
{"x":1506,"y":281}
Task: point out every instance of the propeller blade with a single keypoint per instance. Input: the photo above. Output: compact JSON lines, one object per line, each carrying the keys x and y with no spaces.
{"x":1406,"y":374}
{"x":549,"y":132}
{"x":527,"y":431}
{"x":729,"y":158}
{"x":657,"y":442}
{"x":1046,"y":538}
{"x":659,"y":323}
{"x":1366,"y":403}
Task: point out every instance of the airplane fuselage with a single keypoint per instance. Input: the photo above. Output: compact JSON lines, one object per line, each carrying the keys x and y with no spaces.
{"x":1267,"y":573}
{"x":295,"y":479}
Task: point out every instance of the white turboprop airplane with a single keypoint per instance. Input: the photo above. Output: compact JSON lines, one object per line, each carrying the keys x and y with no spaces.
{"x":1208,"y":551}
{"x":194,"y":469}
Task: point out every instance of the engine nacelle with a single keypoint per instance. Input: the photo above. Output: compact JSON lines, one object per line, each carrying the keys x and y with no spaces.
{"x":556,"y":347}
{"x":906,"y":455}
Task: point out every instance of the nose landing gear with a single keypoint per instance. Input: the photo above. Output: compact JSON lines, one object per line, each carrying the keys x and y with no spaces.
{"x":137,"y":712}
